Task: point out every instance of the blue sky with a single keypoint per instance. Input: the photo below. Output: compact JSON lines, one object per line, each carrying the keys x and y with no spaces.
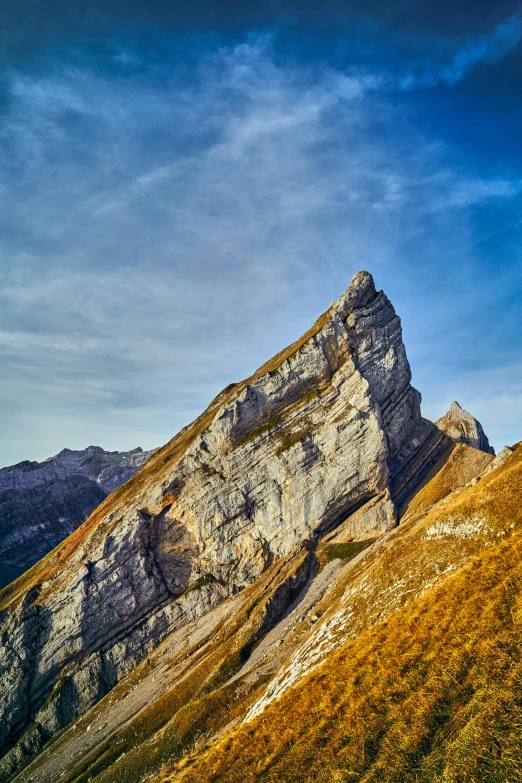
{"x":186,"y":187}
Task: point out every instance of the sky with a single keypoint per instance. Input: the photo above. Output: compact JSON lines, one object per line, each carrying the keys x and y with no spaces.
{"x":185,"y":187}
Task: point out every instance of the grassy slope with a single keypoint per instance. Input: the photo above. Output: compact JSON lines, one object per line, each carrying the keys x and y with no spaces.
{"x":453,"y":472}
{"x":431,"y":691}
{"x":204,"y":700}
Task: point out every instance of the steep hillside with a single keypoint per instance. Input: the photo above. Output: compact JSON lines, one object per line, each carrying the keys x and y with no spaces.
{"x":41,"y":503}
{"x":340,"y":662}
{"x":214,"y":579}
{"x":423,"y":685}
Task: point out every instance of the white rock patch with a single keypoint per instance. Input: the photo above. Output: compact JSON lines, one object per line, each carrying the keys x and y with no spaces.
{"x":458,"y":526}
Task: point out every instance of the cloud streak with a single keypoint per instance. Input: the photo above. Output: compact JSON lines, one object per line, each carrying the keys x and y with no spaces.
{"x":163,"y":237}
{"x":487,"y":49}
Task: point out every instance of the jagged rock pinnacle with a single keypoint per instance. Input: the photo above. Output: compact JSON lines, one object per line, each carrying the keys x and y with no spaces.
{"x":461,"y":427}
{"x":360,"y":293}
{"x":362,"y":288}
{"x":326,"y":435}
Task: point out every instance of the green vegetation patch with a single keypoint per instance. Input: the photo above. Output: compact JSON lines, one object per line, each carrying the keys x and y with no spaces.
{"x":206,"y":579}
{"x":274,"y":421}
{"x":277,"y":419}
{"x":289,"y":439}
{"x":345,"y":551}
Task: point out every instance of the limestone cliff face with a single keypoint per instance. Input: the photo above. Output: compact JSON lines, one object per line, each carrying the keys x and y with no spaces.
{"x":461,"y":427}
{"x":329,"y":427}
{"x":43,"y":502}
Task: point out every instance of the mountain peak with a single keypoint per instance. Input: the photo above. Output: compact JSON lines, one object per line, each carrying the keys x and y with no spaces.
{"x":43,"y":502}
{"x":461,"y":427}
{"x":363,"y":281}
{"x":361,"y":290}
{"x":326,"y":439}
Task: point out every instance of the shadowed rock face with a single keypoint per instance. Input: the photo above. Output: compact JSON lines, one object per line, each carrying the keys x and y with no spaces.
{"x":43,"y":502}
{"x":461,"y":427}
{"x":327,"y":433}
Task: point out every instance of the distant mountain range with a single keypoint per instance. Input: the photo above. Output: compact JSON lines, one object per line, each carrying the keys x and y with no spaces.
{"x":41,"y":503}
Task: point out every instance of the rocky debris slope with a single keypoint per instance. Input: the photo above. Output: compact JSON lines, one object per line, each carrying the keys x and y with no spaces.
{"x":461,"y":427}
{"x":41,"y":503}
{"x":327,"y":434}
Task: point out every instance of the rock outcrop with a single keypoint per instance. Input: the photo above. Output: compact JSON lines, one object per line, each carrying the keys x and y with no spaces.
{"x":41,"y":503}
{"x":461,"y":427}
{"x":327,"y":433}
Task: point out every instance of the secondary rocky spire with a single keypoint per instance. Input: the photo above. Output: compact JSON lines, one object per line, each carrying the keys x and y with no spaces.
{"x":461,"y":427}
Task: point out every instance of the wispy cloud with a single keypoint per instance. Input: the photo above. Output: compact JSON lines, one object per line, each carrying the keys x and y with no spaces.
{"x":453,"y":66}
{"x":504,"y":38}
{"x":163,"y":237}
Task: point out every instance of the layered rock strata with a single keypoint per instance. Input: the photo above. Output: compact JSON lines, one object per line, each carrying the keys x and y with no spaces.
{"x":327,"y":433}
{"x":190,"y":695}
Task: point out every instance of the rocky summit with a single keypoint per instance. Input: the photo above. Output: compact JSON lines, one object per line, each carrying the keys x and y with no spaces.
{"x":297,"y":511}
{"x":461,"y":427}
{"x":43,"y":502}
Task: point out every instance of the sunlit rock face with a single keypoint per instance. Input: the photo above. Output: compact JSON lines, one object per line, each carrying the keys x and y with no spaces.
{"x":461,"y":427}
{"x":327,"y":433}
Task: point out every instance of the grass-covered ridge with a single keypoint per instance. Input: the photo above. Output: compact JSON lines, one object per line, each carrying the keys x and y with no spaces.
{"x":455,"y":470}
{"x":430,"y":691}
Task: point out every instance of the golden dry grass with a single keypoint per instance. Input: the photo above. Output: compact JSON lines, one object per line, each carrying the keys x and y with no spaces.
{"x":391,"y":702}
{"x":454,"y":471}
{"x":385,"y":632}
{"x":426,"y":688}
{"x":432,"y":692}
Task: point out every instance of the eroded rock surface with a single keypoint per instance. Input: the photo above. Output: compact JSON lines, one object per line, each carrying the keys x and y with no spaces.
{"x":329,"y":433}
